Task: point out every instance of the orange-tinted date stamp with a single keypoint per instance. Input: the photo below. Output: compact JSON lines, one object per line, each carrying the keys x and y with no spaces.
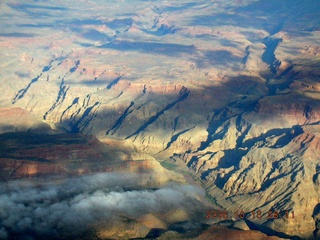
{"x":256,"y":214}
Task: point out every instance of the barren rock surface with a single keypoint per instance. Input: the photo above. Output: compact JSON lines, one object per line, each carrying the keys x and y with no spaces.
{"x":227,"y":91}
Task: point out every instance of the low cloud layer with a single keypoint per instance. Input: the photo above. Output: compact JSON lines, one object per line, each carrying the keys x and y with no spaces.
{"x":30,"y":210}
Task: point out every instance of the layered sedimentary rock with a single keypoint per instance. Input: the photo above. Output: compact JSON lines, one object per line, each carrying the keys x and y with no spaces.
{"x":226,"y":90}
{"x":28,"y":155}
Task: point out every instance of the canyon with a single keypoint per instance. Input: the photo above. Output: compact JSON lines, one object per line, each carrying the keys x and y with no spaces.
{"x":224,"y":96}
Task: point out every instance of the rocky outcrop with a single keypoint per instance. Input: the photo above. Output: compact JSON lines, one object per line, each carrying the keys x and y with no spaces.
{"x":225,"y":90}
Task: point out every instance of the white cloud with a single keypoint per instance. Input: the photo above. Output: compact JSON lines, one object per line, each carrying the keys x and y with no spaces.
{"x":72,"y":204}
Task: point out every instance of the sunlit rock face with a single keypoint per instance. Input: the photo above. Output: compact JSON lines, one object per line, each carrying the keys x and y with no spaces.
{"x":227,"y":91}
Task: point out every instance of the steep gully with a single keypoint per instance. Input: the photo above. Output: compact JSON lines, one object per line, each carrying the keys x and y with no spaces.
{"x":269,"y":55}
{"x":127,"y":111}
{"x":120,"y":120}
{"x":184,"y":93}
{"x":21,"y":93}
{"x":77,"y":122}
{"x":174,"y":138}
{"x":83,"y":122}
{"x":63,"y":89}
{"x":80,"y":119}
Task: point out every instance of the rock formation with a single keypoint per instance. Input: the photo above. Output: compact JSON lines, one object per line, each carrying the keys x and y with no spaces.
{"x":316,"y":218}
{"x":227,"y":91}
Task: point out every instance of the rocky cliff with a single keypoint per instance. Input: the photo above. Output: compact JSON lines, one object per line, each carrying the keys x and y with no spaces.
{"x":228,"y":91}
